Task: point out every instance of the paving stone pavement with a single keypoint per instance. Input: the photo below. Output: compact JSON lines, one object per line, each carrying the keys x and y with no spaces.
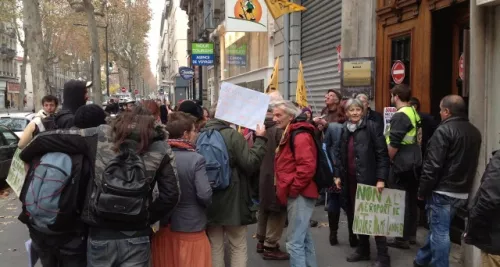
{"x":13,"y":234}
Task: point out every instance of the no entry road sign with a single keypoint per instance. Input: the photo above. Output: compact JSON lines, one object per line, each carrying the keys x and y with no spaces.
{"x":398,"y":72}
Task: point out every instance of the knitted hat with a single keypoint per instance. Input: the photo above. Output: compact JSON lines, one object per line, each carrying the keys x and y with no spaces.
{"x":89,"y":116}
{"x":192,"y":108}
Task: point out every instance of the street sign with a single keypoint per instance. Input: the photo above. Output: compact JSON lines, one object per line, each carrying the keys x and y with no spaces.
{"x":124,"y":89}
{"x":461,"y":72}
{"x":136,"y":91}
{"x":186,"y":73}
{"x":398,"y":72}
{"x":202,"y":54}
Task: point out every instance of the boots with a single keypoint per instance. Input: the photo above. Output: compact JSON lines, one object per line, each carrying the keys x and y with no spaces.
{"x":362,"y":252}
{"x":353,"y":239}
{"x":333,"y":223}
{"x":382,"y":262}
{"x":383,"y":259}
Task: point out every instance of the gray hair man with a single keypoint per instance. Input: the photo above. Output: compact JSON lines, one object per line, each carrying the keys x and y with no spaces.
{"x":295,"y":165}
{"x":370,"y":114}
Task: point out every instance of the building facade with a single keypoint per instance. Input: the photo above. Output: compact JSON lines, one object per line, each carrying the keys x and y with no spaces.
{"x":173,"y":52}
{"x":8,"y":70}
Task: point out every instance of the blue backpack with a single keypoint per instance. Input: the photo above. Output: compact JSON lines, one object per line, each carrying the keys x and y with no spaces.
{"x":51,"y":193}
{"x":211,"y":145}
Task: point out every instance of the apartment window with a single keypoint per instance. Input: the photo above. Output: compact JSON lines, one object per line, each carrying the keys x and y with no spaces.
{"x":245,"y":52}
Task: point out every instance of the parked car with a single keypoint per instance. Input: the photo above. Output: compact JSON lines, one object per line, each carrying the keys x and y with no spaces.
{"x":8,"y":146}
{"x":16,"y":121}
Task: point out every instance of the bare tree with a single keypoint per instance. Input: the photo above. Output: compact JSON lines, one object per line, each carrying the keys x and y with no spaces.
{"x":33,"y":37}
{"x":87,"y":7}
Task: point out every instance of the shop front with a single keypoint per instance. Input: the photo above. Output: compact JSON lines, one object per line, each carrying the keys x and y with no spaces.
{"x":13,"y":90}
{"x":245,"y":59}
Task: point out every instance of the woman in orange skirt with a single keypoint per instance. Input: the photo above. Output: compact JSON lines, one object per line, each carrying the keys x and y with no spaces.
{"x":181,"y":240}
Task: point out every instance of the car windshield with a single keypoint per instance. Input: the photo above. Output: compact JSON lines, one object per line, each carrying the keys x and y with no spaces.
{"x":14,"y":124}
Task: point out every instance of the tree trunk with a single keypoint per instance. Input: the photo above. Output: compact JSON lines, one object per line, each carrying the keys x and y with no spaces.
{"x":94,"y":41}
{"x":20,"y":106}
{"x":33,"y":39}
{"x":121,"y":77}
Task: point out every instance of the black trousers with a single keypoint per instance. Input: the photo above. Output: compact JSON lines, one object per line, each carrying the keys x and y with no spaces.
{"x":53,"y":253}
{"x":408,"y":182}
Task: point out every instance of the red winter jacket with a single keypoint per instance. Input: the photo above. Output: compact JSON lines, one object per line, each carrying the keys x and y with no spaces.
{"x":295,"y":173}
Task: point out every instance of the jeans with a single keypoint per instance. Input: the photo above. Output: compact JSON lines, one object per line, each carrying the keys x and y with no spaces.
{"x":299,"y":243}
{"x":130,"y":252}
{"x":440,"y":211}
{"x":71,"y":254}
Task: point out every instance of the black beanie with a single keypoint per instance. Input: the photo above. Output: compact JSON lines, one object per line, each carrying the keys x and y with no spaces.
{"x":190,"y":107}
{"x":89,"y":116}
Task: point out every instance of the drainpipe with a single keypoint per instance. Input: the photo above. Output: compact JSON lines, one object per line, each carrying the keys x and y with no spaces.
{"x":286,"y":56}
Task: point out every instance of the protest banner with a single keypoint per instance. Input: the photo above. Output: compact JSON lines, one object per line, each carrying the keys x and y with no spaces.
{"x":241,"y":106}
{"x":17,"y":173}
{"x":388,"y":113}
{"x":379,"y":214}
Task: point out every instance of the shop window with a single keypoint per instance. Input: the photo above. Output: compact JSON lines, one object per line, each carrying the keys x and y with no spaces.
{"x":245,"y":52}
{"x":401,"y":50}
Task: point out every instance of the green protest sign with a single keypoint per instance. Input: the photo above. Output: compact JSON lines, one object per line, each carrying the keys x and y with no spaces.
{"x":17,"y":173}
{"x":379,"y":214}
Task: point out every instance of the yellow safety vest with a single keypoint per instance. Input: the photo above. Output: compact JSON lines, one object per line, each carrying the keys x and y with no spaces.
{"x":414,"y":135}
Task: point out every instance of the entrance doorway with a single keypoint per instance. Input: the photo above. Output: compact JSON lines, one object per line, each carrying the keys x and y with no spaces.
{"x":450,"y":42}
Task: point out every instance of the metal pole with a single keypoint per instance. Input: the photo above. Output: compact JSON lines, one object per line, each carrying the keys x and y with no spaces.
{"x":129,"y":78}
{"x":107,"y":60}
{"x":200,"y":89}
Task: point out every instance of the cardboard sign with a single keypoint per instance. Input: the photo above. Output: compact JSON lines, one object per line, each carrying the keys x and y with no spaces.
{"x":242,"y":106}
{"x":379,"y":214}
{"x":17,"y":173}
{"x":388,"y":113}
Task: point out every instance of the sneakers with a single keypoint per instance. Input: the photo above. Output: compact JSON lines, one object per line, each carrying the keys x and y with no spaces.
{"x":275,"y":254}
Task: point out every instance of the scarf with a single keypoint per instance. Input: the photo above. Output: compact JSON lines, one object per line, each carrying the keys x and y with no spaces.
{"x":181,"y":144}
{"x":352,"y":127}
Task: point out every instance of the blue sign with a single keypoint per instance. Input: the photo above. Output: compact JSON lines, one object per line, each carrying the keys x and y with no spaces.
{"x":186,"y":73}
{"x":237,"y":60}
{"x":203,"y":60}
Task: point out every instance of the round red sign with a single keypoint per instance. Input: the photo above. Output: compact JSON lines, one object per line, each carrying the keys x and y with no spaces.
{"x":124,"y":89}
{"x":136,"y":91}
{"x":398,"y":72}
{"x":461,"y":72}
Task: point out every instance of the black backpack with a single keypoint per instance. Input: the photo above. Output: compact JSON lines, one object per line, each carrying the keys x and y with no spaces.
{"x":46,"y":124}
{"x":123,"y":195}
{"x":324,"y":175}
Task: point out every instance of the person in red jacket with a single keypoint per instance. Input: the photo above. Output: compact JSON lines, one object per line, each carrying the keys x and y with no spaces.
{"x":295,"y":187}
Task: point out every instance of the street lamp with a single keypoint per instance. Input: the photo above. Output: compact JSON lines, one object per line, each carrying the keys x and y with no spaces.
{"x":107,"y":51}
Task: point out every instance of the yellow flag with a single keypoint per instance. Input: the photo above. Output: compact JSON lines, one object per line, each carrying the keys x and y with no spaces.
{"x":279,"y":8}
{"x":273,"y":83}
{"x":301,"y":93}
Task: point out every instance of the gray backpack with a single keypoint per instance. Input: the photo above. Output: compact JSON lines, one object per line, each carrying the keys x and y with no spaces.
{"x":51,"y":196}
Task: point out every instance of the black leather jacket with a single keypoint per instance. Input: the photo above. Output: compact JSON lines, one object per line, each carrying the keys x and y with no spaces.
{"x":483,"y":228}
{"x":450,"y":163}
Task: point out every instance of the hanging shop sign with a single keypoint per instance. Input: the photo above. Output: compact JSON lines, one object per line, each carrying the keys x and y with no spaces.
{"x":246,"y":16}
{"x":237,"y":55}
{"x":202,"y":54}
{"x":358,"y":76}
{"x":186,"y":73}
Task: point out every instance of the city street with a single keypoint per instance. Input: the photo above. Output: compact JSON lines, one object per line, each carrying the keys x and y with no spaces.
{"x":13,"y":234}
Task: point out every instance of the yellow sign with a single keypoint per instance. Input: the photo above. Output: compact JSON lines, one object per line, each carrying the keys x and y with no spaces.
{"x":279,"y":8}
{"x":357,"y":73}
{"x":273,"y":83}
{"x":301,"y":93}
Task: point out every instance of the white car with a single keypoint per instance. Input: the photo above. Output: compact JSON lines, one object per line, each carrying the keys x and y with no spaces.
{"x":16,"y":122}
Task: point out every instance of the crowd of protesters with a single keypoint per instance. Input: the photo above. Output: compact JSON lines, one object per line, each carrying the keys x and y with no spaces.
{"x":158,"y":186}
